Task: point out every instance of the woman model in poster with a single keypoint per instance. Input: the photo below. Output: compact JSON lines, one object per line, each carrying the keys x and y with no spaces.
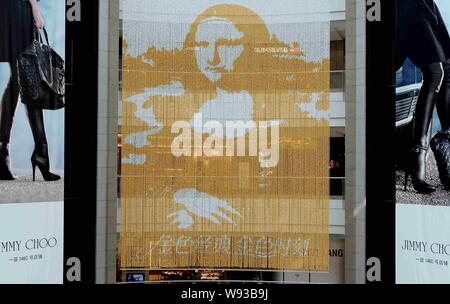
{"x":18,"y":19}
{"x":423,"y":37}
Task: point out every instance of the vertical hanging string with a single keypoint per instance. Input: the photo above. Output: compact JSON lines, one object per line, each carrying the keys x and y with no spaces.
{"x":281,"y":207}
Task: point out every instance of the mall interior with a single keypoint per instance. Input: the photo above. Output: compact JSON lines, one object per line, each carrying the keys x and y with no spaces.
{"x":347,"y":158}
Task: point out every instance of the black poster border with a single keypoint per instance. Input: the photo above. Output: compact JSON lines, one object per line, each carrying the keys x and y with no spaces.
{"x":80,"y":193}
{"x":380,"y":130}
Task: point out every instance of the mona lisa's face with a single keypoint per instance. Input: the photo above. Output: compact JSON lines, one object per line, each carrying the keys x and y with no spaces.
{"x":218,"y":44}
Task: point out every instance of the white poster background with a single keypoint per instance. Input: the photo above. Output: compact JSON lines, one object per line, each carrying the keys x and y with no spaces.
{"x":31,"y":221}
{"x":444,"y":8}
{"x":422,"y":263}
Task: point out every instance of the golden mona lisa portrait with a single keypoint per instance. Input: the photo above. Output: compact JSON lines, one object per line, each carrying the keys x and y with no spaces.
{"x":224,"y":142}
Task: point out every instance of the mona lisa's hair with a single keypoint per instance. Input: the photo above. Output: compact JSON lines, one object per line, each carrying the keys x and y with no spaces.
{"x":266,"y":66}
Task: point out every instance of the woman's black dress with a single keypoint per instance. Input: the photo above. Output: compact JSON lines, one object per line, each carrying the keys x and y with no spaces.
{"x":421,"y":33}
{"x":16,"y":28}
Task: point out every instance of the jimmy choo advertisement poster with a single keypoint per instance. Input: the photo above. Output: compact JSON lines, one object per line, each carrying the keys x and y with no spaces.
{"x":225,"y":135}
{"x":423,"y":142}
{"x":31,"y":122}
{"x":32,"y":51}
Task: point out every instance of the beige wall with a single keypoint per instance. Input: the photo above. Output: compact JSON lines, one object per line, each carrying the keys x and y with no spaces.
{"x":355,"y":102}
{"x":108,"y":72}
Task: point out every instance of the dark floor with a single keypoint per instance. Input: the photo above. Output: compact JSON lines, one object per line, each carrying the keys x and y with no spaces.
{"x":24,"y":190}
{"x":410,"y":196}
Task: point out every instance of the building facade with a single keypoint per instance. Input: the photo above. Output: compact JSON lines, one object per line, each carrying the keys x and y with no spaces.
{"x":346,"y":218}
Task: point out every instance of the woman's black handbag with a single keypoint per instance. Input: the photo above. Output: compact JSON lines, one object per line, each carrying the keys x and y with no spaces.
{"x":41,"y":75}
{"x":440,"y":144}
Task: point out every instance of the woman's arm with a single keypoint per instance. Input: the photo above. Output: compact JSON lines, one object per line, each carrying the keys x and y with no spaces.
{"x":38,"y":19}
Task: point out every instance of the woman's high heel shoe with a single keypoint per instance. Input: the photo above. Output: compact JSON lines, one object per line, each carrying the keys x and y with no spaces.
{"x":5,"y":172}
{"x":419,"y":186}
{"x":40,"y":159}
{"x":417,"y":171}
